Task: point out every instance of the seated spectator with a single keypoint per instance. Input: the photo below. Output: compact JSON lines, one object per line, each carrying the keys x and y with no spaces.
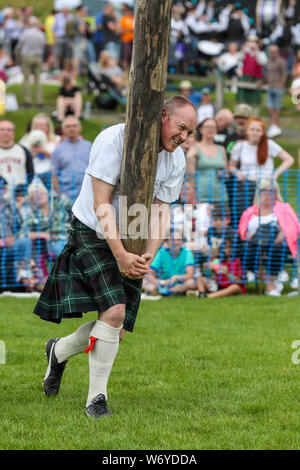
{"x":255,"y":156}
{"x":70,"y":159}
{"x":206,"y":109}
{"x":41,"y":147}
{"x":270,"y":229}
{"x":109,"y":68}
{"x":5,"y":62}
{"x":69,"y":99}
{"x":220,"y":230}
{"x":20,"y":202}
{"x":186,"y":90}
{"x":228,"y":274}
{"x":207,"y":161}
{"x":192,"y":220}
{"x":224,"y":119}
{"x":12,"y":250}
{"x":48,"y":223}
{"x":172,"y":270}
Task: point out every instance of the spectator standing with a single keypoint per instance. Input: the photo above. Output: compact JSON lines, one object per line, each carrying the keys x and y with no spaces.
{"x":255,"y":156}
{"x":253,"y":61}
{"x":50,"y":40}
{"x":224,"y":119}
{"x":98,"y":35}
{"x":207,"y":160}
{"x":186,"y":90}
{"x":206,"y":109}
{"x":239,"y":25}
{"x":111,"y":36}
{"x":127,"y":34}
{"x":16,"y":165}
{"x":241,"y":114}
{"x":276,"y":77}
{"x":63,"y":32}
{"x":70,"y":159}
{"x":32,"y":47}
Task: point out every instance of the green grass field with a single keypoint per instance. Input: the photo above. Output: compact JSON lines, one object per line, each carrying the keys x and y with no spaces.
{"x":196,"y":374}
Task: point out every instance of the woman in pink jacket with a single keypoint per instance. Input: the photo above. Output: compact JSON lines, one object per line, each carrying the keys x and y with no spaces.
{"x":271,"y":229}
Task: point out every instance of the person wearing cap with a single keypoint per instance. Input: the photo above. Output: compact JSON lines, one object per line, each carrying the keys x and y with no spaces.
{"x":206,"y":109}
{"x":241,"y":114}
{"x":186,"y":90}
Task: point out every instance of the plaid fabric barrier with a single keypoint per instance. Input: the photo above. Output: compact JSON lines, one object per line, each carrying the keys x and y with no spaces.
{"x":85,"y":277}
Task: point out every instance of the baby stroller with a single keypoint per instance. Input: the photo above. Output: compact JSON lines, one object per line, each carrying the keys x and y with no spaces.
{"x":108,"y":96}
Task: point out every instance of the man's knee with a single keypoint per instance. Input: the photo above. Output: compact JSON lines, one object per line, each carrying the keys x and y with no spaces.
{"x":115,"y":315}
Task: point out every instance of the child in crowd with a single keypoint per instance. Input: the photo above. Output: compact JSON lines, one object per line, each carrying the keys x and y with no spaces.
{"x":228,"y":274}
{"x":172,"y":270}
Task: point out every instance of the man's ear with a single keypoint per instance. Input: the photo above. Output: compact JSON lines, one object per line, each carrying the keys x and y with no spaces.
{"x":164,"y":114}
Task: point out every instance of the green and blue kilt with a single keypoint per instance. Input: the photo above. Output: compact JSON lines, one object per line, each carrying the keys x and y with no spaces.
{"x":86,"y":277}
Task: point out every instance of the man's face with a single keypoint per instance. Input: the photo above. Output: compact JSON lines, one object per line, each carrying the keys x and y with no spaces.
{"x":273,"y":51}
{"x":71,"y":129}
{"x":7,"y":133}
{"x":240,"y":124}
{"x":176,"y":127}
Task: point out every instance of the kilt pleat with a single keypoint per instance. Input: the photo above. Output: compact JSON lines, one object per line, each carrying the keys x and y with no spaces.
{"x":85,"y":277}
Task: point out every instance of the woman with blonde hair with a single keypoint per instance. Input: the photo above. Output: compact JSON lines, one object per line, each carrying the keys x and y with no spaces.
{"x":255,"y":159}
{"x":270,"y":229}
{"x":41,"y":141}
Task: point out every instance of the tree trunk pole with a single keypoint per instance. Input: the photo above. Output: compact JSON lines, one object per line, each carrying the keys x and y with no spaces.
{"x":147,"y":83}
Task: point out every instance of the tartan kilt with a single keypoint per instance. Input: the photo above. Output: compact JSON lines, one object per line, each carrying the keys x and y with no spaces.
{"x":84,"y":278}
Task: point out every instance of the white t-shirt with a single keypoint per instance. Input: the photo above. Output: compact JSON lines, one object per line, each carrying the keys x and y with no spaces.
{"x":246,"y":155}
{"x":105,"y":164}
{"x":256,"y":221}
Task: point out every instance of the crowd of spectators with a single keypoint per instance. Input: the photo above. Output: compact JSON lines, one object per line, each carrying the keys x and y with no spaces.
{"x":230,"y":224}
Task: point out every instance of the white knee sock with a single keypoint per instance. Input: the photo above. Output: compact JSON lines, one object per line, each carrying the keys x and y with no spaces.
{"x":101,"y":357}
{"x":75,"y":343}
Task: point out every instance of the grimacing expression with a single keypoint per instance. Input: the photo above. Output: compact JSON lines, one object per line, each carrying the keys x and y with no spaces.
{"x":176,"y":127}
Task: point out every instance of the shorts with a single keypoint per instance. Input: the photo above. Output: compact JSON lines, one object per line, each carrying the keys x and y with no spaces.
{"x":275,"y":97}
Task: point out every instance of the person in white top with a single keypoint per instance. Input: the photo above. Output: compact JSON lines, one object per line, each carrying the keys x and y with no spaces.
{"x":256,"y":154}
{"x":41,"y":153}
{"x":96,"y":274}
{"x":255,"y":159}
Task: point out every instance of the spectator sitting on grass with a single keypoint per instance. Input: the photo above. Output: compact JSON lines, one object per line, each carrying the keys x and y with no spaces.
{"x":69,"y":100}
{"x":13,"y":250}
{"x":270,"y":229}
{"x":228,"y":274}
{"x":172,"y":270}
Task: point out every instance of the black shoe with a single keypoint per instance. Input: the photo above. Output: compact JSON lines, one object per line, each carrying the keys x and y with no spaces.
{"x":98,"y":408}
{"x":54,"y":370}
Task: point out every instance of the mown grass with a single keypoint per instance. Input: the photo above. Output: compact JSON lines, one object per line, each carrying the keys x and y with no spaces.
{"x":196,"y":374}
